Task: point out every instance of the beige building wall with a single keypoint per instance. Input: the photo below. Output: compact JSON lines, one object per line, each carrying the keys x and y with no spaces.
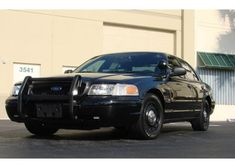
{"x":188,"y":37}
{"x":57,"y":38}
{"x":215,"y":32}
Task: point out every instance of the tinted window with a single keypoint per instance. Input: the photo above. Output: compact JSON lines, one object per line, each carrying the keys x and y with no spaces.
{"x":173,"y":63}
{"x":124,"y":62}
{"x":190,"y":74}
{"x":94,"y":66}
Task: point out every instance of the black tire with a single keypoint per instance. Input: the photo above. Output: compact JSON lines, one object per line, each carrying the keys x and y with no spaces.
{"x":149,"y":124}
{"x":40,"y":129}
{"x":203,"y":121}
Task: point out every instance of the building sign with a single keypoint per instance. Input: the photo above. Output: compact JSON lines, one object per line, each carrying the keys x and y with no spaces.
{"x":65,"y":68}
{"x":22,"y":70}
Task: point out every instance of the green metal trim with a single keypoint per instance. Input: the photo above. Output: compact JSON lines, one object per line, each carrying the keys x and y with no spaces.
{"x":216,"y":60}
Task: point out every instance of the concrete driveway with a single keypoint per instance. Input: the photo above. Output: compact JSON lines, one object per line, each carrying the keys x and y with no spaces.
{"x":176,"y":141}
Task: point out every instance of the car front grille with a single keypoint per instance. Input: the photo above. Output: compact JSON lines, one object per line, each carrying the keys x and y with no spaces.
{"x":59,"y":87}
{"x":49,"y":88}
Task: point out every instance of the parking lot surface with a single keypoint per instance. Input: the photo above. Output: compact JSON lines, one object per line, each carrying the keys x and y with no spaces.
{"x":177,"y":140}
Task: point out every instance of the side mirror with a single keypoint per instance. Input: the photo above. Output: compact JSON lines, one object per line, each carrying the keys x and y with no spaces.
{"x":68,"y":71}
{"x":162,"y":65}
{"x":178,"y":71}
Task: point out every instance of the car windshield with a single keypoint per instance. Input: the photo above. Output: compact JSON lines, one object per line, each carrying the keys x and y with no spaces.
{"x":123,"y":63}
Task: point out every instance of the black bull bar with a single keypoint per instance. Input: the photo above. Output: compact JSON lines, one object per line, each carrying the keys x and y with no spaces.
{"x":24,"y":95}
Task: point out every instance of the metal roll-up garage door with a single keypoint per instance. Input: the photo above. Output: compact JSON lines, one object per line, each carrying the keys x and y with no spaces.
{"x":122,"y":39}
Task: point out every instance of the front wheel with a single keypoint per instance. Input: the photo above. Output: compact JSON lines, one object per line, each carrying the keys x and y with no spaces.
{"x":39,"y":128}
{"x":202,"y":123}
{"x":150,"y":121}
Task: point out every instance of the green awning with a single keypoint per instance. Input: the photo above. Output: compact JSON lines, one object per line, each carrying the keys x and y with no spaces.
{"x":216,"y":60}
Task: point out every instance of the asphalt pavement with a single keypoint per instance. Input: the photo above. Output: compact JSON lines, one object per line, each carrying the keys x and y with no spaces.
{"x":177,"y":140}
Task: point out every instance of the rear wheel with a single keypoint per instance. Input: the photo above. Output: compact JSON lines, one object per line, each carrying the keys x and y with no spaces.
{"x":150,"y":121}
{"x":39,"y":128}
{"x":202,"y":123}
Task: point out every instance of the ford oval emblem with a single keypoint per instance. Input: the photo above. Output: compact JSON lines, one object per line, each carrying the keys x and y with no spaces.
{"x":56,"y":88}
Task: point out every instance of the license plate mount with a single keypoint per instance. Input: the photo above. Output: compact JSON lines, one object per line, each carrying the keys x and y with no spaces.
{"x":49,"y":110}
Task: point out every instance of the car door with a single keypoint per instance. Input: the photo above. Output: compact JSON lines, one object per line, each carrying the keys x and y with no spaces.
{"x":195,"y":85}
{"x":182,"y":94}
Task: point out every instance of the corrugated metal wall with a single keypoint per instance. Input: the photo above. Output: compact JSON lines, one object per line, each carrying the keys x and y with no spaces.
{"x":222,"y":83}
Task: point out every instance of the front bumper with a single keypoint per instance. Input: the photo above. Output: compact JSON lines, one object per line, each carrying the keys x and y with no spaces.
{"x":88,"y":112}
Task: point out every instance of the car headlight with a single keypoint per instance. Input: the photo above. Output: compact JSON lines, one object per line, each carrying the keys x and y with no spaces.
{"x":113,"y":90}
{"x":16,"y":90}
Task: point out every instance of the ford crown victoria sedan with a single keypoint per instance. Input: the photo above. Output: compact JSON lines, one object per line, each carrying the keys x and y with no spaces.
{"x":137,"y":91}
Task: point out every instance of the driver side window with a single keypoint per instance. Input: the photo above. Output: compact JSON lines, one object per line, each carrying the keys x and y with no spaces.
{"x":190,"y":74}
{"x":173,"y":63}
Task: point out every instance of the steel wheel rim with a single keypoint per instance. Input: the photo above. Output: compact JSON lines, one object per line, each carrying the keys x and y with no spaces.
{"x":152,"y":120}
{"x":151,"y":117}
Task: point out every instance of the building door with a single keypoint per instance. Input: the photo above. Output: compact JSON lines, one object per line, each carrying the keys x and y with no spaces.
{"x":122,"y":39}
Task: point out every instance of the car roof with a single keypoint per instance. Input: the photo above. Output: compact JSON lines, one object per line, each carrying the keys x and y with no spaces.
{"x":137,"y":52}
{"x":163,"y":54}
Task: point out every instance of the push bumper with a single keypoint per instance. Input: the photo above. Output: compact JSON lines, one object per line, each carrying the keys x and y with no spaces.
{"x":68,"y":110}
{"x":88,"y":112}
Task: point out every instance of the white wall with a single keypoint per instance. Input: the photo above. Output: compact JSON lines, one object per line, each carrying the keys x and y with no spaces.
{"x":215,"y":31}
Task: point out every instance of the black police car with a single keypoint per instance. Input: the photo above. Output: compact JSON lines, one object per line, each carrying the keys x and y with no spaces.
{"x":138,"y":91}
